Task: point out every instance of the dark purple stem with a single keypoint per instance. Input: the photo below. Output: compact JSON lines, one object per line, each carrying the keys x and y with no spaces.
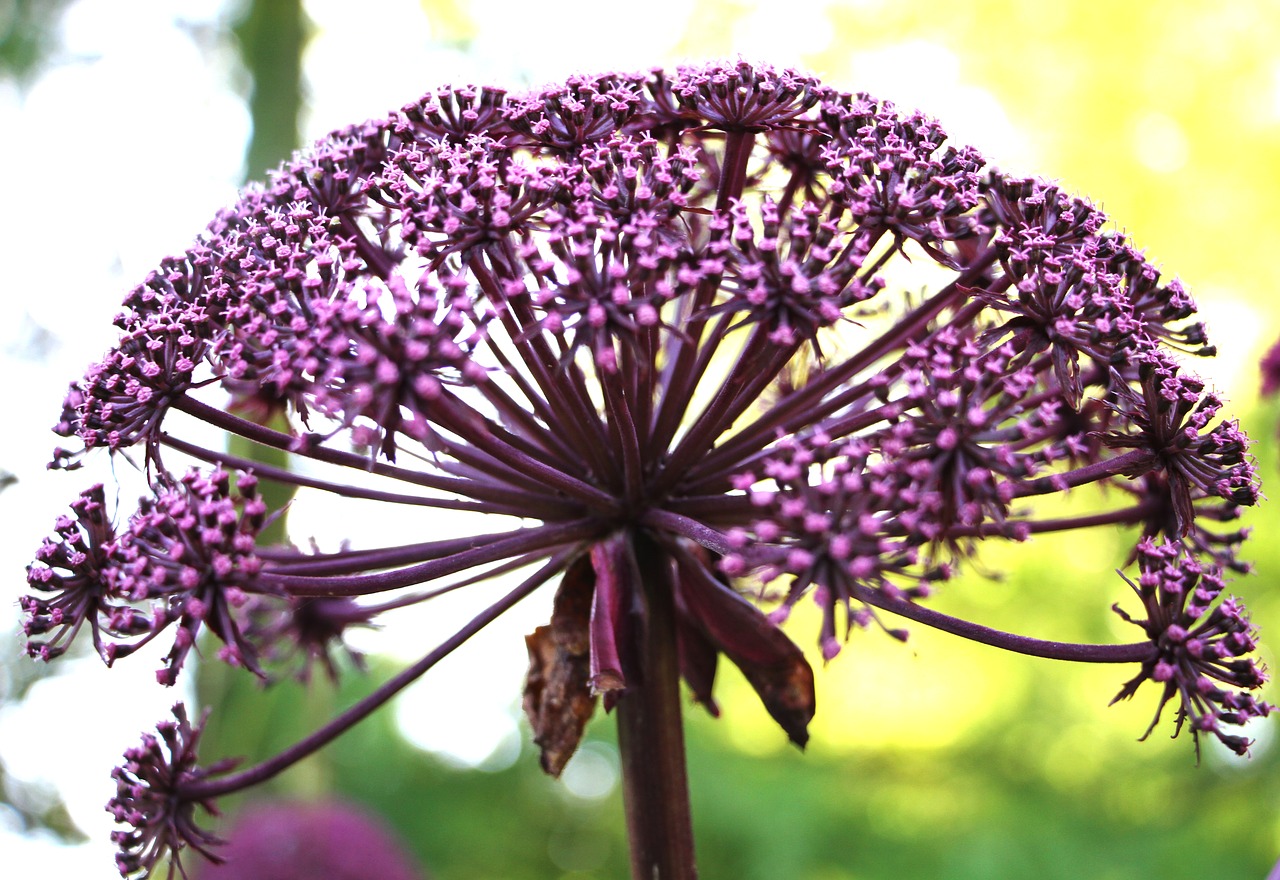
{"x":1132,"y":653}
{"x":758,"y":366}
{"x":223,"y":785}
{"x":667,"y":521}
{"x":805,"y":405}
{"x":471,"y":488}
{"x":283,"y":475}
{"x":1137,"y":461}
{"x":655,"y":786}
{"x":733,"y":167}
{"x":290,"y":561}
{"x":526,"y":541}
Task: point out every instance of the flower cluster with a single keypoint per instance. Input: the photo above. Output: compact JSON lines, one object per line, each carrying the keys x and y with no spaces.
{"x":301,"y":840}
{"x":186,"y":559}
{"x":1201,"y":642}
{"x":157,"y":795}
{"x":662,"y":340}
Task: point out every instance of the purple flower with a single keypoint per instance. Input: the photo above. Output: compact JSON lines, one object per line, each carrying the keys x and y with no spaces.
{"x":279,"y":840}
{"x":303,"y":633}
{"x":1201,"y":640}
{"x":186,"y":558}
{"x":1171,"y":417}
{"x":164,"y":335}
{"x":1271,"y":370}
{"x":689,"y":349}
{"x":72,"y":568}
{"x":189,"y":553}
{"x":157,"y":798}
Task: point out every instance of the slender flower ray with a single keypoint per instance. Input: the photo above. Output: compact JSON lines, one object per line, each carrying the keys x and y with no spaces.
{"x":1132,"y":653}
{"x":333,"y":585}
{"x":349,"y":561}
{"x":269,"y":472}
{"x":494,"y":491}
{"x":207,"y":789}
{"x":806,"y":403}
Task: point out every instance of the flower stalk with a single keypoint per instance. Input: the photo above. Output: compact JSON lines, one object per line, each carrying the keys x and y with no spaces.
{"x":655,"y":786}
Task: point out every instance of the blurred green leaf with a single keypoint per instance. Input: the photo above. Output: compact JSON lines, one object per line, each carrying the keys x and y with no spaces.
{"x":272,"y":35}
{"x":27,"y":36}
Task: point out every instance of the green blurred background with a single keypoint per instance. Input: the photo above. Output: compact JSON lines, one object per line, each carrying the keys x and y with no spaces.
{"x":935,"y":759}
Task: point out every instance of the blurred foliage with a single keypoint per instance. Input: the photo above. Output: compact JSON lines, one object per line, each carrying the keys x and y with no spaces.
{"x":1025,"y":792}
{"x":28,"y":39}
{"x":271,"y":35}
{"x":31,"y":805}
{"x":27,"y":36}
{"x":1166,"y":113}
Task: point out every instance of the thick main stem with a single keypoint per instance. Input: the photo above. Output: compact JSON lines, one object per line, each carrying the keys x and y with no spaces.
{"x":651,"y":734}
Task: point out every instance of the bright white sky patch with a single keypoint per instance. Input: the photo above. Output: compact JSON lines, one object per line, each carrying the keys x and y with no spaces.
{"x":919,"y":74}
{"x":782,"y":40}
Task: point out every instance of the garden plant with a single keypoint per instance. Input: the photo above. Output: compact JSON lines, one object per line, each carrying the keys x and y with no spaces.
{"x":683,"y":349}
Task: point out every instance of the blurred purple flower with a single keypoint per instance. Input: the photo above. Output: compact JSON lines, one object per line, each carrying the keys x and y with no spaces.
{"x":1271,"y":371}
{"x":309,"y":841}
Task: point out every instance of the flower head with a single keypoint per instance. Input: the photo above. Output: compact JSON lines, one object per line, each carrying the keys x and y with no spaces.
{"x":304,"y":633}
{"x":745,"y":95}
{"x":1271,"y":370}
{"x":1201,"y":641}
{"x":122,"y":399}
{"x":72,"y":567}
{"x":895,"y":173}
{"x":152,"y":796}
{"x":657,"y":341}
{"x":186,"y":558}
{"x":1174,"y":420}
